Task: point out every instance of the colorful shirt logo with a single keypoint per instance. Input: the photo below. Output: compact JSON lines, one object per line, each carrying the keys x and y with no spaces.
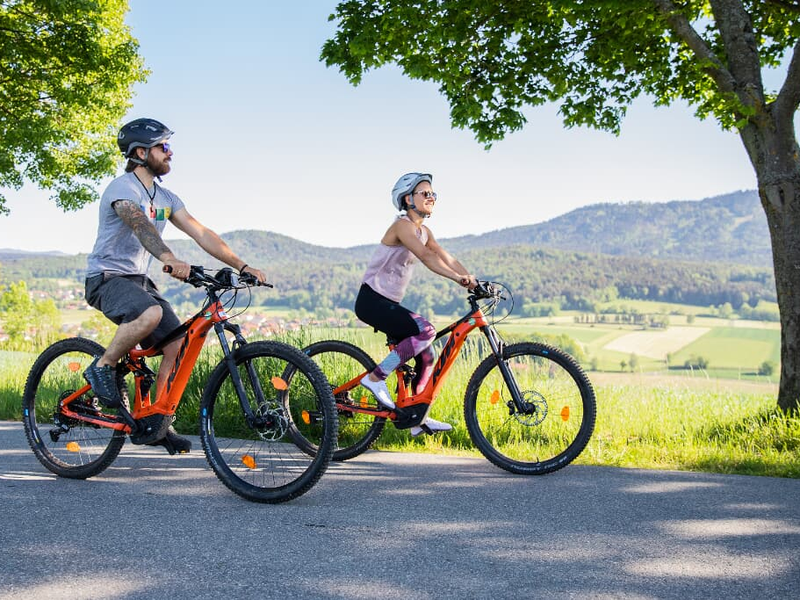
{"x":156,"y":214}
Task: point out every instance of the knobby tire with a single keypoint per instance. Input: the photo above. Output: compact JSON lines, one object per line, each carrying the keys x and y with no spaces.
{"x":262,"y":463}
{"x":75,"y":449}
{"x":341,"y":362}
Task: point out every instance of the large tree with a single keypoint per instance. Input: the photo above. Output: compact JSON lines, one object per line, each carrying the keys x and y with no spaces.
{"x":491,"y":59}
{"x":67,"y":68}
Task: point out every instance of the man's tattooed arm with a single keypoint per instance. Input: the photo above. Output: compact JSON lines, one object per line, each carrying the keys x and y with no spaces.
{"x":142,"y":228}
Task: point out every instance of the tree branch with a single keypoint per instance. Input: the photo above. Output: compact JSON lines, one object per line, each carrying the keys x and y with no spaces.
{"x":788,"y":100}
{"x":684,"y":30}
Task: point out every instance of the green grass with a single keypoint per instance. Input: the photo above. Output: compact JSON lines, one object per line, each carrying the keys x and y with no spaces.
{"x":663,"y":426}
{"x":660,"y":428}
{"x":14,"y":367}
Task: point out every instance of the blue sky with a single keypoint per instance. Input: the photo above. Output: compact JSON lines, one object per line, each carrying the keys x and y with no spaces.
{"x":269,"y":138}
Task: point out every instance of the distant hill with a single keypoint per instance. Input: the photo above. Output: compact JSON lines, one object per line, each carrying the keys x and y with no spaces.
{"x":706,"y":252}
{"x":730,"y":228}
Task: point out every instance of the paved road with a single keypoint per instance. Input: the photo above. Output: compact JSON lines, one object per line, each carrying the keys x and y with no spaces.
{"x":389,"y":525}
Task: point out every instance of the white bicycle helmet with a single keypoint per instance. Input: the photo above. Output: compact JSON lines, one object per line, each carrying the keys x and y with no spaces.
{"x":405,"y":185}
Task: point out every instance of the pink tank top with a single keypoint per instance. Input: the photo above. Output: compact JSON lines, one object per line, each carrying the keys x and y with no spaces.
{"x":389,"y":270}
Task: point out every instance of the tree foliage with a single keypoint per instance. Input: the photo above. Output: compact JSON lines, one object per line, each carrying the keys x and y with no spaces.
{"x":28,"y":323}
{"x":67,"y":68}
{"x":492,"y":59}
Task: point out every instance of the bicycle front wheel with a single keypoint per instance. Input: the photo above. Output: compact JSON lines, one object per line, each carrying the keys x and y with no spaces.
{"x":555,"y":422}
{"x":255,"y":457}
{"x":342,"y":362}
{"x":67,"y":446}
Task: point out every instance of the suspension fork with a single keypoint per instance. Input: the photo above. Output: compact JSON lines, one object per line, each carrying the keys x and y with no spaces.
{"x":497,"y":345}
{"x":219,"y":329}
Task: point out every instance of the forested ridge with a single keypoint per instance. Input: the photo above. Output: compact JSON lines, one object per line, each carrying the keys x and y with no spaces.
{"x":707,"y":252}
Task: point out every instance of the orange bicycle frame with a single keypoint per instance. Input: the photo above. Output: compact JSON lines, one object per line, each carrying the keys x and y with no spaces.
{"x":458,"y":331}
{"x":166,"y":403}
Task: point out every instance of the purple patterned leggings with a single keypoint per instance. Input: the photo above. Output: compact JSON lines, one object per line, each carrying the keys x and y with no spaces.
{"x":415,"y":333}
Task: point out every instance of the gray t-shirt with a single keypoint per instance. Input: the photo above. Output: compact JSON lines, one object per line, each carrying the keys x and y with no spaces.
{"x":117,"y":249}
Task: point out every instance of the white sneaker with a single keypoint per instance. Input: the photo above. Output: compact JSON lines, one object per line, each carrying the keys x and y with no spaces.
{"x":379,"y":390}
{"x":434,"y":426}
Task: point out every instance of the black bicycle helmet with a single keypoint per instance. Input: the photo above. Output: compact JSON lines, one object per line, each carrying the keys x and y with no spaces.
{"x":141,"y":133}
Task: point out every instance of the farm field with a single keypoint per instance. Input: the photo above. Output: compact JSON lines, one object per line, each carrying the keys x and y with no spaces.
{"x":733,"y":349}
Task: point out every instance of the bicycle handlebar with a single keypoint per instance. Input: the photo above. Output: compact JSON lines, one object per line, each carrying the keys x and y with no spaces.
{"x":486,"y":289}
{"x":224,"y":279}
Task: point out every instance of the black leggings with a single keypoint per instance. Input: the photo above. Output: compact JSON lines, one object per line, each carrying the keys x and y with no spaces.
{"x":411,"y":333}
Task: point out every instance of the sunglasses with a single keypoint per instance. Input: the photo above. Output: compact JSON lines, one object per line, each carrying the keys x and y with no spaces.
{"x":164,"y":147}
{"x":428,"y":194}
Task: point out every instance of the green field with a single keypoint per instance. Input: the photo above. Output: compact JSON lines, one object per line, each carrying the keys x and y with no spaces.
{"x":731,"y":351}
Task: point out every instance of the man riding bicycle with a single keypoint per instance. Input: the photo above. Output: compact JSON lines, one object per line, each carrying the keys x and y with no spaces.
{"x":134,"y":210}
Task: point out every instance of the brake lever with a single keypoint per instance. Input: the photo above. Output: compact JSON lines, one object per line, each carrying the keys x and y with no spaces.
{"x":251,"y":280}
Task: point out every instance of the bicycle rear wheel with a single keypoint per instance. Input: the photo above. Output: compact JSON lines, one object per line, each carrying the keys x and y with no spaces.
{"x":258,"y":459}
{"x":557,"y":420}
{"x":66,"y":445}
{"x":342,"y":362}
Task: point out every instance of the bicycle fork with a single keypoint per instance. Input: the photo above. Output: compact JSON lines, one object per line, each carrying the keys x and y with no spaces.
{"x":517,"y":402}
{"x":268,"y":422}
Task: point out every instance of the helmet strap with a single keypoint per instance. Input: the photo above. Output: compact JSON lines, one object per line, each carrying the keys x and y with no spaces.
{"x":139,"y":161}
{"x":411,"y":206}
{"x":143,"y":163}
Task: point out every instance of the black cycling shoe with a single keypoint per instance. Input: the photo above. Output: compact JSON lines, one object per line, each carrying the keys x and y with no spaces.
{"x":174,"y":443}
{"x":104,"y":383}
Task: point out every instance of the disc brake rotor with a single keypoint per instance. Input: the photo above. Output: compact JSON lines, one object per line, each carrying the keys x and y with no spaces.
{"x":534,"y":409}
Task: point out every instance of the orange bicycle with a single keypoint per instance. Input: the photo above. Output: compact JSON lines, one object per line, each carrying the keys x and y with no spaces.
{"x":529,"y":407}
{"x":247,"y":404}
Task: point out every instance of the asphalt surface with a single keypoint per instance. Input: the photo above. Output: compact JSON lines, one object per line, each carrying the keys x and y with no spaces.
{"x":390,"y":525}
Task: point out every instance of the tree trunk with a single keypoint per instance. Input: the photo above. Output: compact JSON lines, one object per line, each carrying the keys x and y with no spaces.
{"x":776,"y":157}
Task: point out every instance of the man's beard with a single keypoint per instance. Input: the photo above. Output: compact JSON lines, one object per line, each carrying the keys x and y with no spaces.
{"x":158,"y":168}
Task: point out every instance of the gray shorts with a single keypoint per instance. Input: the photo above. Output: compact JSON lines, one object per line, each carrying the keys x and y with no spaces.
{"x":123,"y":298}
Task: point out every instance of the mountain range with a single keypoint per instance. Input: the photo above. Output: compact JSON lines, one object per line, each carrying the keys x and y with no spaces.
{"x":731,"y":228}
{"x":706,"y":251}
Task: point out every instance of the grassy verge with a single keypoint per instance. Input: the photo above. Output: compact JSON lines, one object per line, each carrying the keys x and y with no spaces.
{"x":661,"y":424}
{"x":661,"y":428}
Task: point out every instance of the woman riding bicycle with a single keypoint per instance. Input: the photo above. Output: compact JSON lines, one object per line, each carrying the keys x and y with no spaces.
{"x":386,"y":280}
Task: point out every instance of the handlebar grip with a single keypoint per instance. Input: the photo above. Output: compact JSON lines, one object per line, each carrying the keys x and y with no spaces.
{"x":167,"y":268}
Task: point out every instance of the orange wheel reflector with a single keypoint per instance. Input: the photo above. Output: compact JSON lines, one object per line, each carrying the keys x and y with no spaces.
{"x":306,"y":417}
{"x":73,"y":446}
{"x":249,"y":461}
{"x":279,"y":384}
{"x":495,"y":397}
{"x":74,"y":366}
{"x":364,"y":402}
{"x":565,"y":413}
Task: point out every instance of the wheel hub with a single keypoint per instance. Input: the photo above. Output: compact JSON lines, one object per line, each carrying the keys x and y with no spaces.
{"x":271,"y":423}
{"x":534,"y":409}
